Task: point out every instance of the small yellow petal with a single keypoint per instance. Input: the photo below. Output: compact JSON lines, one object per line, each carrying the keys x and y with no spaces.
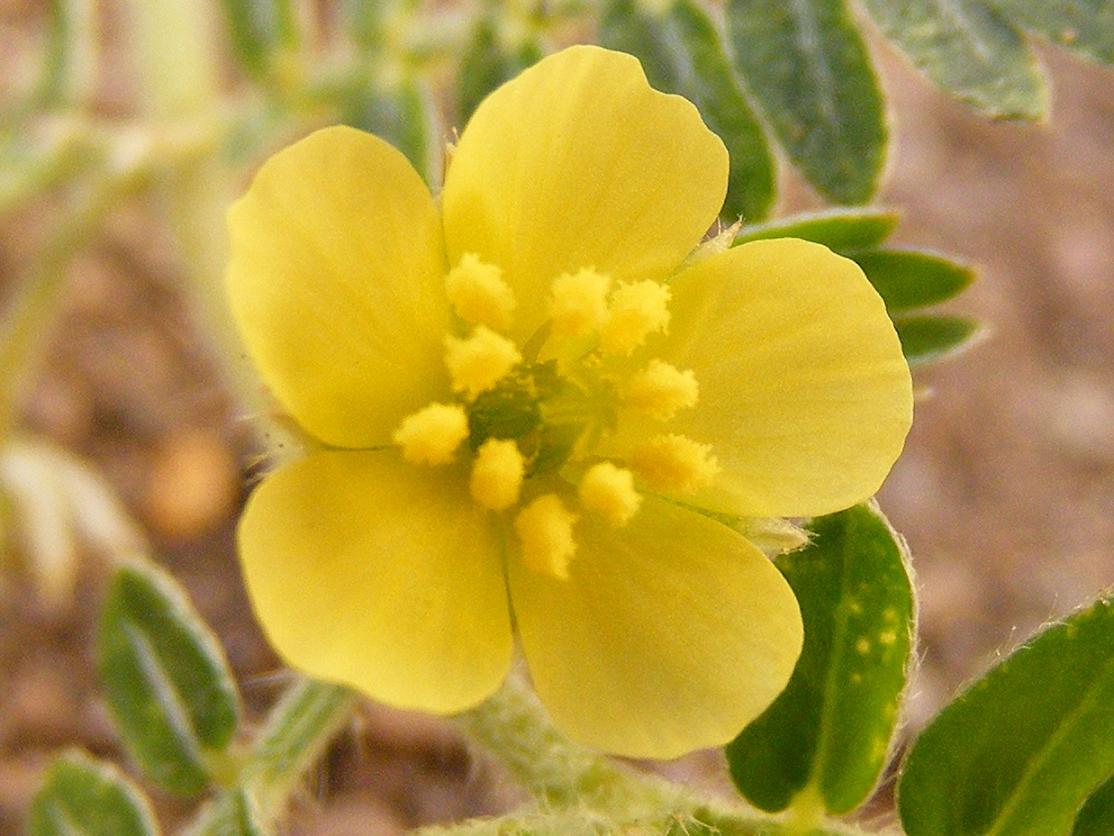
{"x":432,"y":434}
{"x":479,"y":294}
{"x":544,"y":530}
{"x":675,"y":463}
{"x":578,"y":303}
{"x":637,"y":310}
{"x":497,"y":474}
{"x":662,"y":390}
{"x":477,"y":363}
{"x":609,"y":490}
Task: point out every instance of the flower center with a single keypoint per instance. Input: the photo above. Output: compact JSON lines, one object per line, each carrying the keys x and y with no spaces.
{"x":531,"y":428}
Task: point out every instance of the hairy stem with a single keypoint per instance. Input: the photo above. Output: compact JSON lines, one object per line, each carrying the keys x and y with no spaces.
{"x":298,"y":730}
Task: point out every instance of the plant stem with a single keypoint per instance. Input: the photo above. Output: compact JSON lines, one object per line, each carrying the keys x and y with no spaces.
{"x":30,"y":316}
{"x":300,"y":726}
{"x":581,"y":791}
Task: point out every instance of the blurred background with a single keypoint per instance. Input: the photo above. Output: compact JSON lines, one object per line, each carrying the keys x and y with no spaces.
{"x":1005,"y":492}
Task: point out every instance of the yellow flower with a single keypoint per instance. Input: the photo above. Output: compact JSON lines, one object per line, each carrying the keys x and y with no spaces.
{"x":524,"y":401}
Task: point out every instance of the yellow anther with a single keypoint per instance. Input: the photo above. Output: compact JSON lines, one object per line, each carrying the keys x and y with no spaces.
{"x":544,"y":529}
{"x":661,"y":390}
{"x":578,"y":303}
{"x":477,"y":363}
{"x":675,"y":463}
{"x":637,"y":310}
{"x":609,"y":490}
{"x":497,"y":474}
{"x":432,"y":434}
{"x":479,"y":294}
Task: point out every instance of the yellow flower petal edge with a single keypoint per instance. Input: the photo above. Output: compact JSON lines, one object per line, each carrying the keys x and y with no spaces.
{"x":672,"y":636}
{"x":337,"y":284}
{"x":805,"y":396}
{"x":377,"y":574}
{"x":578,"y":163}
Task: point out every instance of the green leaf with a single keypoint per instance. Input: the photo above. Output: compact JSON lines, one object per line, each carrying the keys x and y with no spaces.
{"x":969,"y":50}
{"x":1097,"y":816}
{"x":913,"y":278}
{"x":406,"y":117}
{"x":1086,"y":27}
{"x":84,"y":797}
{"x":682,"y":51}
{"x":928,"y":339}
{"x":488,"y":61}
{"x":233,"y":813}
{"x":1024,"y":747}
{"x":828,"y":734}
{"x":806,"y":64}
{"x":167,"y":681}
{"x":260,"y":29}
{"x":843,"y":230}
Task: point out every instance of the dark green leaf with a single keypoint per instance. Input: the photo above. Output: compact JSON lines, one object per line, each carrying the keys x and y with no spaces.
{"x":969,"y":50}
{"x":1022,"y":749}
{"x":926,"y":339}
{"x":1097,"y":816}
{"x":167,"y":682}
{"x":259,"y":30}
{"x":807,"y":66}
{"x":488,"y":62}
{"x":913,"y":279}
{"x":1083,"y":26}
{"x":683,"y":52}
{"x":843,"y":230}
{"x":84,"y":797}
{"x":407,"y":118}
{"x":828,"y":734}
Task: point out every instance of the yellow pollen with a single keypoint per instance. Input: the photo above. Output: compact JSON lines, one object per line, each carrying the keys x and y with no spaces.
{"x":544,"y":529}
{"x":477,"y":363}
{"x":675,"y":463}
{"x":432,"y":434}
{"x":637,"y":310}
{"x":497,"y":474}
{"x":578,"y":304}
{"x":661,"y":390}
{"x":609,"y":490}
{"x":479,"y":294}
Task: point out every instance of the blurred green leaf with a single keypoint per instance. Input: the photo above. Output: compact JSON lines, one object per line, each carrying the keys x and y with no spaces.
{"x":260,"y":29}
{"x":843,"y":230}
{"x":1085,"y":27}
{"x":1096,"y":818}
{"x":89,"y":798}
{"x":232,"y":814}
{"x":806,"y":64}
{"x":166,"y":678}
{"x":69,"y":71}
{"x":969,"y":50}
{"x":407,"y":117}
{"x":682,"y":51}
{"x":828,"y":734}
{"x":488,"y":62}
{"x":926,"y":339}
{"x":913,"y":278}
{"x":1024,"y":747}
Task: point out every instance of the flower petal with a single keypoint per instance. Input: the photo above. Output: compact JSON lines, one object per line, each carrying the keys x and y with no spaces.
{"x":576,"y":163}
{"x":805,"y":396}
{"x":379,"y":575}
{"x":670,"y":634}
{"x":337,"y":284}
